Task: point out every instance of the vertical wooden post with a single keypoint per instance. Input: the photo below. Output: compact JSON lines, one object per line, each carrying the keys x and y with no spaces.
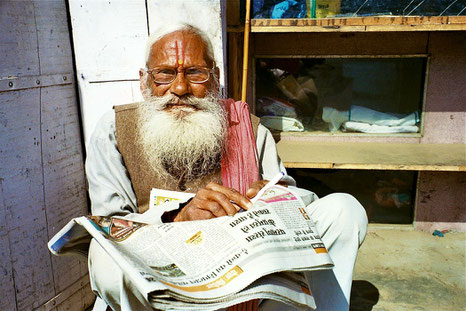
{"x":234,"y":64}
{"x":245,"y":51}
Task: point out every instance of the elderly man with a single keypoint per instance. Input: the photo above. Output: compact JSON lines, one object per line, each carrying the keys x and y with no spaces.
{"x":184,"y":138}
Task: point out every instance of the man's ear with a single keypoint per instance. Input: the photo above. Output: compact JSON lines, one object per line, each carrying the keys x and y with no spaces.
{"x":145,"y":91}
{"x":217,"y":79}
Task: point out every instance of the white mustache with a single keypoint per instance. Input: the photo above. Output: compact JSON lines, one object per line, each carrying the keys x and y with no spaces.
{"x":201,"y":104}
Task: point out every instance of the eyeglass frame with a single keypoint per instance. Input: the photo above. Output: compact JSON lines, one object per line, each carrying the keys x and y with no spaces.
{"x":210,"y":72}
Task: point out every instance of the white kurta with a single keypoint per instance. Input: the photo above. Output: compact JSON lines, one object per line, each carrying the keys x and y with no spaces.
{"x":339,"y":218}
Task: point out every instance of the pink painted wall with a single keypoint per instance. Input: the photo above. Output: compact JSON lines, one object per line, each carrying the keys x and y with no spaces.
{"x":446,"y":92}
{"x":441,"y":201}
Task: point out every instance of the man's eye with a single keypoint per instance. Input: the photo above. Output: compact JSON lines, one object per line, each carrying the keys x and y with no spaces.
{"x":164,"y":71}
{"x":197,"y":75}
{"x":194,"y":71}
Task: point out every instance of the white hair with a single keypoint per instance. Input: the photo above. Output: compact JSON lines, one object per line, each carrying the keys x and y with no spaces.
{"x":167,"y":28}
{"x":185,"y":144}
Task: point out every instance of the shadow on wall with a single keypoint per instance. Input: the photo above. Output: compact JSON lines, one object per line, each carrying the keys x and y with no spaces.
{"x":364,"y":296}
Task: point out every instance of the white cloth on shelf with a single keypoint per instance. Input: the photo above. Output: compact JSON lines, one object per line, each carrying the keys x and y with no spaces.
{"x":334,"y":118}
{"x":362,"y":119}
{"x":350,"y":126}
{"x":366,"y":115}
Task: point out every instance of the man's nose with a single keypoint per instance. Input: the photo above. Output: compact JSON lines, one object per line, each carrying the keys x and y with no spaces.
{"x":180,"y":86}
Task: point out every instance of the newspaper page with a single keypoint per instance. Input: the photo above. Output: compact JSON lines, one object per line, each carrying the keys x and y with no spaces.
{"x":221,"y":261}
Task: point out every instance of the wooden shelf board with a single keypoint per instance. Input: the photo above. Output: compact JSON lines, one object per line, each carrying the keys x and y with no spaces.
{"x":373,"y":156}
{"x":361,"y":24}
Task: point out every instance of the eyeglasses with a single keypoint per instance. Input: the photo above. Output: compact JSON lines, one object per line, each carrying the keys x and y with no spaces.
{"x":168,"y":75}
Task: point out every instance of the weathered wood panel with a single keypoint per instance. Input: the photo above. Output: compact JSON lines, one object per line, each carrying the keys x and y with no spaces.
{"x":41,"y":165}
{"x":64,"y":181}
{"x":77,"y":299}
{"x":18,"y":40}
{"x":53,"y":37}
{"x":109,"y":45}
{"x":98,"y":98}
{"x":62,"y":158}
{"x":78,"y":296}
{"x":23,"y":196}
{"x":7,"y":284}
{"x":109,"y":38}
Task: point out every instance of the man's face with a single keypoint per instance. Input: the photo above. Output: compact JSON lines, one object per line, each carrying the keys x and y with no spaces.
{"x":180,"y":50}
{"x":182,"y":125}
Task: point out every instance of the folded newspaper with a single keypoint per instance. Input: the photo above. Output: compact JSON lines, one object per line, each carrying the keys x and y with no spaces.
{"x":211,"y":264}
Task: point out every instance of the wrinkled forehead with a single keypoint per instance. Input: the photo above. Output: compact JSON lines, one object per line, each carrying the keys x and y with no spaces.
{"x":179,"y":48}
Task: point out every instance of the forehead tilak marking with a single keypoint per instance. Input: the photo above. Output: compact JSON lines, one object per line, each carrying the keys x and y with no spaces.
{"x":180,"y":51}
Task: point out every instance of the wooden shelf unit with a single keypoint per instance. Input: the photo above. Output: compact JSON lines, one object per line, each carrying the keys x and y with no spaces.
{"x":297,"y":151}
{"x":361,"y":24}
{"x":374,"y":156}
{"x":436,"y":155}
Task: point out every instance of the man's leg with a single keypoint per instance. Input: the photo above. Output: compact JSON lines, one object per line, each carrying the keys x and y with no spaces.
{"x":342,"y":222}
{"x":108,"y":281}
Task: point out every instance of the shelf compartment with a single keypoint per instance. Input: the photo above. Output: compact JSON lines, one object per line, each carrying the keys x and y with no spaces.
{"x":387,"y":196}
{"x":361,"y":24}
{"x":326,"y":93}
{"x":372,"y":156}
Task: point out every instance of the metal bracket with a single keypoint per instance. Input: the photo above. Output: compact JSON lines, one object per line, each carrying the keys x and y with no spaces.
{"x":28,"y":82}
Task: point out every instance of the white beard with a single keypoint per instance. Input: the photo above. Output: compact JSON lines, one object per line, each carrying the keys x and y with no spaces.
{"x":187,"y":143}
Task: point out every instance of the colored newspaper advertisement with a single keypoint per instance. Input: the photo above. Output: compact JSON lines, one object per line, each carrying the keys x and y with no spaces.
{"x":211,"y":264}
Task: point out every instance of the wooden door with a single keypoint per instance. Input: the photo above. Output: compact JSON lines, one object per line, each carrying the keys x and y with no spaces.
{"x":42,"y":183}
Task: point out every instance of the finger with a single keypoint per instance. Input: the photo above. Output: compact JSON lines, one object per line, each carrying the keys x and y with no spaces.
{"x":236,"y":206}
{"x":205,"y":195}
{"x":215,"y":208}
{"x":231,"y":195}
{"x":192,"y":212}
{"x":251,"y":193}
{"x":200,"y":214}
{"x":223,"y":201}
{"x":255,"y":187}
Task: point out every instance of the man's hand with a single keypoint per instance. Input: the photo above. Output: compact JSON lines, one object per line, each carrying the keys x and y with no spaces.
{"x":213,"y":201}
{"x":256,"y":186}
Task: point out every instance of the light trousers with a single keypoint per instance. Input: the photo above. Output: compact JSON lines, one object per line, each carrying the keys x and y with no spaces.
{"x":341,"y":221}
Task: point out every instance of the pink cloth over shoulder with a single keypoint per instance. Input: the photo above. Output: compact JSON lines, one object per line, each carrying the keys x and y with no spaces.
{"x":239,"y":161}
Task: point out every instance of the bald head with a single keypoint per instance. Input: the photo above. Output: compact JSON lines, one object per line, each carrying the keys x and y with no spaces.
{"x":168,"y":28}
{"x":180,"y":48}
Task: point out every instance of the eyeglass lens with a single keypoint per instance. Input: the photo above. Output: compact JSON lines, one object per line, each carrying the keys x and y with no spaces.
{"x":193,"y":74}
